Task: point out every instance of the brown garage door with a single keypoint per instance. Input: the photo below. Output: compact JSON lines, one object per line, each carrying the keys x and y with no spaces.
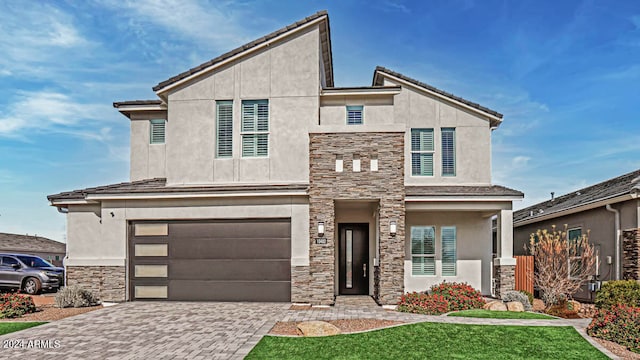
{"x":240,"y":260}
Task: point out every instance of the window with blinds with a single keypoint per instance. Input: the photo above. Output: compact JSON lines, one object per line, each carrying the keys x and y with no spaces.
{"x":354,"y":115}
{"x":423,"y":250}
{"x":255,"y":128}
{"x":449,"y":253}
{"x":224,"y":129}
{"x":422,"y":149}
{"x":575,"y":261}
{"x":157,"y":131}
{"x":448,"y":151}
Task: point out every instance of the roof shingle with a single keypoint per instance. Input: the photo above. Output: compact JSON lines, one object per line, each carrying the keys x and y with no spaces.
{"x":611,"y":188}
{"x":461,"y":190}
{"x":17,"y":243}
{"x":378,"y":82}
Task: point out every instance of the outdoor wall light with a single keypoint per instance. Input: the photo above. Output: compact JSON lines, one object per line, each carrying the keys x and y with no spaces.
{"x":393,"y":228}
{"x":320,"y":228}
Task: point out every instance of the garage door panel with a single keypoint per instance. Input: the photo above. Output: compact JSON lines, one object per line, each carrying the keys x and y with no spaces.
{"x":231,"y":229}
{"x":190,"y":290}
{"x":226,"y":248}
{"x":246,"y":270}
{"x":213,"y":260}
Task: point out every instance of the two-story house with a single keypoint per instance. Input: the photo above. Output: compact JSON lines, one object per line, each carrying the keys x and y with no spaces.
{"x":254,"y":178}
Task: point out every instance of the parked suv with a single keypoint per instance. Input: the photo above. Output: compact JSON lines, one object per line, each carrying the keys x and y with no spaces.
{"x":29,"y":273}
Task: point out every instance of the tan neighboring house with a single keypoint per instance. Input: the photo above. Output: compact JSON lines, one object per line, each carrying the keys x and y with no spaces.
{"x":50,"y":250}
{"x":609,"y":211}
{"x":254,"y":178}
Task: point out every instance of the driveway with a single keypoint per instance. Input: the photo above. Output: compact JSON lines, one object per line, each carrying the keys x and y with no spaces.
{"x":150,"y":330}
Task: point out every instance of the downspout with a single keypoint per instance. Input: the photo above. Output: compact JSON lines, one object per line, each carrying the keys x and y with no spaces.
{"x":63,"y":210}
{"x":617,"y":220}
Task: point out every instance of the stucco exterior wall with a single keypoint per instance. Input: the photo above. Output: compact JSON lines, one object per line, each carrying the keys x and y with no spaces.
{"x":91,"y":242}
{"x":147,"y":160}
{"x":378,"y":110}
{"x":473,"y":246}
{"x":416,"y":109}
{"x":601,"y":224}
{"x":287,"y":74}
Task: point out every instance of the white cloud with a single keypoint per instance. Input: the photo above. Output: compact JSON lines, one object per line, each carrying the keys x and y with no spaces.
{"x":47,"y":111}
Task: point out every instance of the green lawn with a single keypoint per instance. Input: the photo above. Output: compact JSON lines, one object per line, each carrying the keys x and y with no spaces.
{"x":488,"y":314}
{"x":9,"y":327}
{"x":435,"y":341}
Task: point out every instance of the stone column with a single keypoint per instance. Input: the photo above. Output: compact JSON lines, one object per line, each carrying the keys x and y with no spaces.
{"x":631,"y":254}
{"x":504,"y":265}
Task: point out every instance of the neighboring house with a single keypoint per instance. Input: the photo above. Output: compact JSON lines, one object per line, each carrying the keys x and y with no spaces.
{"x":604,"y":210}
{"x":254,"y":178}
{"x":50,"y":250}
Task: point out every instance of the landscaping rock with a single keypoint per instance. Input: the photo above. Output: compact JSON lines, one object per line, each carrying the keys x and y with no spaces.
{"x":317,"y":328}
{"x":538,"y":305}
{"x":515,"y":306}
{"x":495,"y":305}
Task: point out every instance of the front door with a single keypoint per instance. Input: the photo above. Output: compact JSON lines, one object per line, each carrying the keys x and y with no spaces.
{"x":354,"y":259}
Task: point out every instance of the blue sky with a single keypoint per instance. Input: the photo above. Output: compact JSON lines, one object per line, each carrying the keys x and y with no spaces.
{"x":566,"y":75}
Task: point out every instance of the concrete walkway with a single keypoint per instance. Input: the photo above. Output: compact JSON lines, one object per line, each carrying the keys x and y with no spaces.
{"x":194,"y":330}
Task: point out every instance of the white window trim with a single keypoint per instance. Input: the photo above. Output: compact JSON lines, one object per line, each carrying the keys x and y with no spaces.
{"x":361,"y":113}
{"x":432,"y":152}
{"x":435,"y":252}
{"x":442,"y":250}
{"x":243,"y":133}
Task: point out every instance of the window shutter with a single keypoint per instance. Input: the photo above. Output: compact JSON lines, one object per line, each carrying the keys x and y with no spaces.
{"x":354,"y":115}
{"x":448,"y":251}
{"x":248,"y":116}
{"x":262,"y":110}
{"x":255,"y":125}
{"x":157,"y":128}
{"x":224,"y":129}
{"x":422,"y":140}
{"x":448,"y":151}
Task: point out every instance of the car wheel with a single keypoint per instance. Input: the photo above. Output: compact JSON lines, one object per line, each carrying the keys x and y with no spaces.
{"x":31,"y":286}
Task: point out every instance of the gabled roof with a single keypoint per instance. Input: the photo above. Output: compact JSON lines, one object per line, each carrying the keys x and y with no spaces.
{"x":325,"y":44}
{"x":16,"y":243}
{"x":622,"y":185}
{"x":377,"y":81}
{"x":159,"y":186}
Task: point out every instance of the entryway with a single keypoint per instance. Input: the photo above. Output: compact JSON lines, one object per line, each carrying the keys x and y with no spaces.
{"x":353,"y":259}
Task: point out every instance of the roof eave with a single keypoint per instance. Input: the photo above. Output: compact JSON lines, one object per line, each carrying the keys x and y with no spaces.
{"x":162,"y":91}
{"x":575,"y":209}
{"x":494,"y":121}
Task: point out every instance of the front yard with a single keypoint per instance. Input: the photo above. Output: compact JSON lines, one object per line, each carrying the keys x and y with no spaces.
{"x":437,"y":341}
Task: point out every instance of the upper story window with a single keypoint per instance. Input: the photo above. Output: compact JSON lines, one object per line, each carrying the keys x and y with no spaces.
{"x":448,"y":151}
{"x":422,"y":150}
{"x":255,"y":128}
{"x":157,"y":131}
{"x":224,"y":129}
{"x":355,"y":115}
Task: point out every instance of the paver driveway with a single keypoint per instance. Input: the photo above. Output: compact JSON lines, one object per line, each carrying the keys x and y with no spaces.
{"x":152,"y":330}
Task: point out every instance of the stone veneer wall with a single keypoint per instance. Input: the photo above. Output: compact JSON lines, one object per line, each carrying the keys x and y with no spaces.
{"x":106,"y":282}
{"x":385,"y":186}
{"x":631,"y":254}
{"x":504,"y":277}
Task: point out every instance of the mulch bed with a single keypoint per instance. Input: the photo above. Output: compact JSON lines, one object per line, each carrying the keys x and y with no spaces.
{"x":346,"y":326}
{"x":51,"y":313}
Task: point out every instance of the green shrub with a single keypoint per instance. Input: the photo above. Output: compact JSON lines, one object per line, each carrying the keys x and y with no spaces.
{"x":625,"y":292}
{"x":420,"y":303}
{"x":529,"y":296}
{"x":620,"y":324}
{"x":75,"y":296}
{"x":509,"y":296}
{"x":460,"y":296}
{"x":15,"y":305}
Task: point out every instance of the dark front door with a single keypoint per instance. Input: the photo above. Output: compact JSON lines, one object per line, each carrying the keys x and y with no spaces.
{"x":354,"y":258}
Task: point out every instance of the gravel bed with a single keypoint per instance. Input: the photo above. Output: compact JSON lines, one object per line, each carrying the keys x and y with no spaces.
{"x":346,"y":326}
{"x":618,"y":349}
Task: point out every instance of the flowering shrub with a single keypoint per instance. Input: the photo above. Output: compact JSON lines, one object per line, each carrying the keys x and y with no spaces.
{"x":618,"y":292}
{"x":461,"y":296}
{"x":419,"y":303}
{"x":15,"y":305}
{"x":620,"y":324}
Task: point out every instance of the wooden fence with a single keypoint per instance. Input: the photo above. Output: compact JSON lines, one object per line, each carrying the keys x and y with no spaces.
{"x":524,"y":273}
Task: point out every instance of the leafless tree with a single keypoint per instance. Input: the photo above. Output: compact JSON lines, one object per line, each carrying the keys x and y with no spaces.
{"x":562,"y":265}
